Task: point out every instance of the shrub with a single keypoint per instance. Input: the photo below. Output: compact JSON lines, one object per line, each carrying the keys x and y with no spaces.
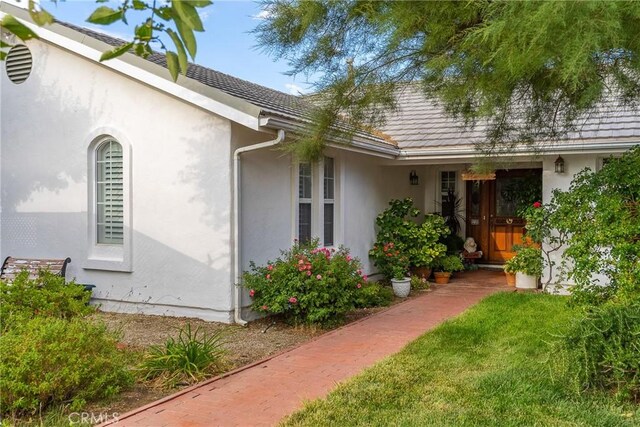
{"x":419,"y":283}
{"x":374,"y":295}
{"x":189,"y":359}
{"x":307,"y":284}
{"x":449,"y":263}
{"x":600,"y":217}
{"x":48,"y":295}
{"x":48,"y":361}
{"x":601,"y":350}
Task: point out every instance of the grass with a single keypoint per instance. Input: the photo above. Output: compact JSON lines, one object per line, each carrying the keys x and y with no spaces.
{"x":490,"y":366}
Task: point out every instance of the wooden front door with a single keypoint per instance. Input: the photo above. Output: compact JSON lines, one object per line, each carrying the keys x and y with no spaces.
{"x":492,"y":218}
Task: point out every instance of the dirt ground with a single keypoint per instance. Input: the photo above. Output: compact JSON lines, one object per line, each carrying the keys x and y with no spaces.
{"x":244,"y":344}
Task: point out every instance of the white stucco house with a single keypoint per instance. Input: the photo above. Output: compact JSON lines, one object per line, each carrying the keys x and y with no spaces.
{"x":162,"y":192}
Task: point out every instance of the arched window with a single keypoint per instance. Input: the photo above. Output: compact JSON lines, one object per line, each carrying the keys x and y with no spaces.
{"x":109,"y":193}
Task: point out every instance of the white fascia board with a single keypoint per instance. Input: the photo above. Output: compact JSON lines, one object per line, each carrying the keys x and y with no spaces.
{"x":358,"y":144}
{"x":469,"y":151}
{"x":127,"y":65}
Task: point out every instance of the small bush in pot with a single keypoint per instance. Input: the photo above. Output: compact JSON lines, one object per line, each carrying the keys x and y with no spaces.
{"x":400,"y":282}
{"x":426,"y":248}
{"x":446,"y":265}
{"x":527,"y":264}
{"x":510,"y":272}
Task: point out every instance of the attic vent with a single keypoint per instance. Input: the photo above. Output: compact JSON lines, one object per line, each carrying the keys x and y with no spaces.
{"x":18,"y":63}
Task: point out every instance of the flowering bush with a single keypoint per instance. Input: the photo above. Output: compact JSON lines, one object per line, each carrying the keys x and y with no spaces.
{"x":307,"y":284}
{"x":390,"y":259}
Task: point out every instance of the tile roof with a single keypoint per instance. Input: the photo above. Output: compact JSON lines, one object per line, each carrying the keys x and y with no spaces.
{"x":270,"y":100}
{"x":421,"y":123}
{"x":418,"y":122}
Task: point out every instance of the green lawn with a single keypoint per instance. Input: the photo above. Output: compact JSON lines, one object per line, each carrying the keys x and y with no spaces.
{"x":490,"y":366}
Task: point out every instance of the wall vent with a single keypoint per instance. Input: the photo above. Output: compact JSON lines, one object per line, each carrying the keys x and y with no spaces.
{"x":18,"y":63}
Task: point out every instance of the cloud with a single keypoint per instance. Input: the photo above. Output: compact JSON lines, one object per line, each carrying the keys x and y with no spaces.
{"x":294,"y":89}
{"x":204,"y":14}
{"x":263,"y":14}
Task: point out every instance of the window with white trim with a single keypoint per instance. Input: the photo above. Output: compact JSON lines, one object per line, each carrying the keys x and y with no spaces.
{"x":447,"y":184}
{"x":109,"y":193}
{"x":329,"y":178}
{"x":317,"y":203}
{"x":305,"y":196}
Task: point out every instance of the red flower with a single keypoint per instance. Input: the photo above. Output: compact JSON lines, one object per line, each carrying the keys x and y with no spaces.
{"x":270,"y":267}
{"x":358,"y":285}
{"x":308,"y":272}
{"x":268,"y":277}
{"x":252,"y":293}
{"x":265,"y":308}
{"x":293,"y":300}
{"x":537,"y":205}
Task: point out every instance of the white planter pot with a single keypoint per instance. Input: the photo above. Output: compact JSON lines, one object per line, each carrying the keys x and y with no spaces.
{"x":401,"y":288}
{"x":525,"y":281}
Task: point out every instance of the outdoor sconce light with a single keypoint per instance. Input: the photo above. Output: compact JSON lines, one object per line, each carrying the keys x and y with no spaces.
{"x":413,"y":178}
{"x":559,"y":165}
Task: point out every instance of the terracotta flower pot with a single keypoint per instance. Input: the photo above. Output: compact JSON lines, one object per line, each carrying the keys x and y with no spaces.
{"x":422,"y":272}
{"x":511,"y":278}
{"x":442,"y":277}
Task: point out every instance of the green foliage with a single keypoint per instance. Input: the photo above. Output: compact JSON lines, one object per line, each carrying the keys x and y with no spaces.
{"x":46,"y":361}
{"x":449,"y":264}
{"x":454,"y":243}
{"x":600,"y":217}
{"x":46,"y":296}
{"x":601,"y":350}
{"x":401,"y":241}
{"x":373,"y":294}
{"x":497,"y":61}
{"x":419,"y":283}
{"x":528,"y":260}
{"x":307,"y":284}
{"x":194,"y":356}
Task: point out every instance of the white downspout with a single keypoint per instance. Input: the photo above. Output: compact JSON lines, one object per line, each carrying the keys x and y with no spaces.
{"x":237,"y":315}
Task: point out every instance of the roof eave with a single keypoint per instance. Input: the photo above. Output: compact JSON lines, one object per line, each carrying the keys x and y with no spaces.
{"x":358,"y":143}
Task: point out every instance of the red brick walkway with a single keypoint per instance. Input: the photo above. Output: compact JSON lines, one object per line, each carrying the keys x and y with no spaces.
{"x":262,"y":394}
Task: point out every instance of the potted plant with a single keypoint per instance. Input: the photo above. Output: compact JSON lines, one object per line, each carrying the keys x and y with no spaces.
{"x":527,"y":264}
{"x":400,"y":282}
{"x":426,"y":247}
{"x":510,"y":272}
{"x":446,"y":265}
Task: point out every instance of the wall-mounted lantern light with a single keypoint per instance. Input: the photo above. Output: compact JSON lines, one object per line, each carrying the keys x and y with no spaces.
{"x":413,"y":178}
{"x":559,"y":165}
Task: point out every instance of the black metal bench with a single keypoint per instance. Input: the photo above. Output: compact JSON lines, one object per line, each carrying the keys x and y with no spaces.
{"x":11,"y":267}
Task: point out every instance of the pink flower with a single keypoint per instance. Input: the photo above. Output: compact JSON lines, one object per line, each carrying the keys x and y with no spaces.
{"x":265,"y":308}
{"x":359,"y":285}
{"x":537,"y":205}
{"x":301,"y":262}
{"x":293,"y":300}
{"x":270,"y":267}
{"x":268,"y":277}
{"x":252,"y":293}
{"x":349,"y":258}
{"x":308,"y":273}
{"x":319,"y":277}
{"x":359,"y":272}
{"x":364,"y":277}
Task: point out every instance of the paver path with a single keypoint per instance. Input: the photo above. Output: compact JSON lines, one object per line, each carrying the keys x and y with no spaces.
{"x":264,"y":393}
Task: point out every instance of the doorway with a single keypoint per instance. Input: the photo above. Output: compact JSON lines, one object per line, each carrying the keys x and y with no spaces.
{"x":492,"y":211}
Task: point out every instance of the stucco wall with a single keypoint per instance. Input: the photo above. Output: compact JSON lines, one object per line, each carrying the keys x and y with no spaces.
{"x":181,"y":190}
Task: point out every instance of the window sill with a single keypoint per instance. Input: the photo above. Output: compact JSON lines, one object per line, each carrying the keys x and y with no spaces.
{"x":109,"y":258}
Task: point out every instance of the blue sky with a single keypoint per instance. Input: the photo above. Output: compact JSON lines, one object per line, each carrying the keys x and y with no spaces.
{"x":226,"y":44}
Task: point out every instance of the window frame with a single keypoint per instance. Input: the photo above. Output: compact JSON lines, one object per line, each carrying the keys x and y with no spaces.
{"x":108,"y":256}
{"x":442,"y":193}
{"x":318,"y":201}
